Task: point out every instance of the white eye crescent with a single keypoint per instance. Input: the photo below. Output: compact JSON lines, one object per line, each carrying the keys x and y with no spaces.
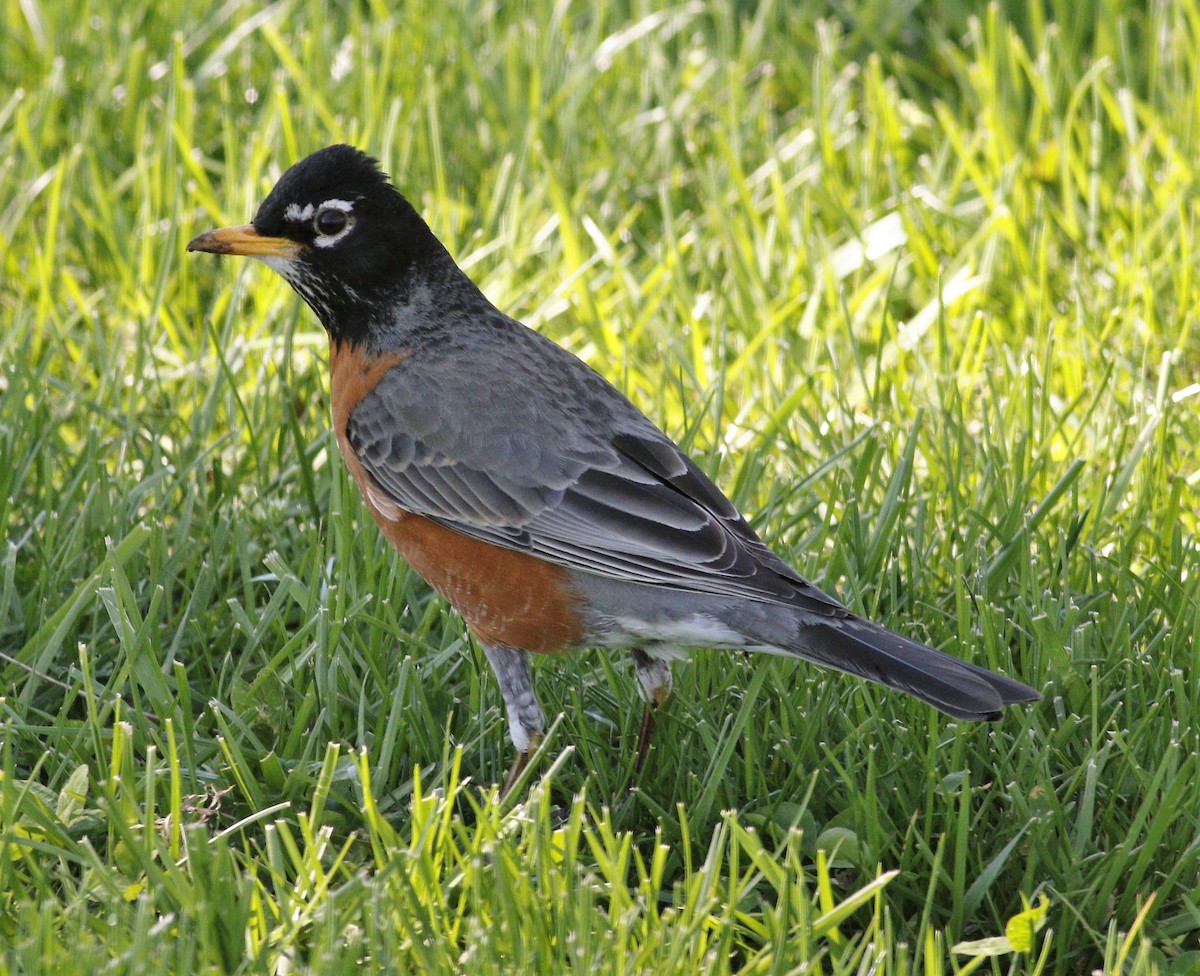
{"x":330,"y":221}
{"x":334,"y":219}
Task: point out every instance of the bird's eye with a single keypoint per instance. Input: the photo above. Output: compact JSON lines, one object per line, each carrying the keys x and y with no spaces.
{"x":330,"y":222}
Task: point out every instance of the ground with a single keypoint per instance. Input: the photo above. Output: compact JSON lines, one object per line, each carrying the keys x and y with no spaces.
{"x":917,"y":285}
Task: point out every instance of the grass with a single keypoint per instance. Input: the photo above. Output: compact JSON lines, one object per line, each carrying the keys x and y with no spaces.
{"x":918,"y":285}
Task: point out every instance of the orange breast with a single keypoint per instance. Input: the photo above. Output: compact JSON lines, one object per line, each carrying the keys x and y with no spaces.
{"x":506,"y":597}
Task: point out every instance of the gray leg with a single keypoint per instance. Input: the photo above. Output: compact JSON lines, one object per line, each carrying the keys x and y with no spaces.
{"x":654,"y":685}
{"x":525,"y":719}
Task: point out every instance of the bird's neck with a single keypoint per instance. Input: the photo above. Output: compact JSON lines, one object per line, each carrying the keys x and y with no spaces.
{"x":429,"y":302}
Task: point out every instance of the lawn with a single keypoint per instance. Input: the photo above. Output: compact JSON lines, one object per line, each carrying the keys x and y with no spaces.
{"x":918,"y":284}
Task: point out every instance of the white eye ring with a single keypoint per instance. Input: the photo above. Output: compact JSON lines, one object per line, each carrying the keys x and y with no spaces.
{"x":329,"y":231}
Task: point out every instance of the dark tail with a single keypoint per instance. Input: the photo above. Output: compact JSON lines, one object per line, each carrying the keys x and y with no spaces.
{"x":950,"y":685}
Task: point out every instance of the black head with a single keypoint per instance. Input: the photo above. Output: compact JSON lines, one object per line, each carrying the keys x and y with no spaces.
{"x":341,"y":234}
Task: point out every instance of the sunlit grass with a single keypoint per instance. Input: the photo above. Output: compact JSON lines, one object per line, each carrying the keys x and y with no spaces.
{"x":916,"y":286}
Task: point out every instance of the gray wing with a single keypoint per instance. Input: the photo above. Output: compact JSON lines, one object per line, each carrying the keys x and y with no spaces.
{"x":571,"y":472}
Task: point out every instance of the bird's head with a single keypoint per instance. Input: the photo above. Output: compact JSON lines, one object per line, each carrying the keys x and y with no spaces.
{"x":342,"y":236}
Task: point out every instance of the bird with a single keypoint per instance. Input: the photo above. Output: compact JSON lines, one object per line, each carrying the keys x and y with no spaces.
{"x":526,"y":489}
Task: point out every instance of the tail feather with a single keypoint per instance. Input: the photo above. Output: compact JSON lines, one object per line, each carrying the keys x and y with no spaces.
{"x":953,"y":686}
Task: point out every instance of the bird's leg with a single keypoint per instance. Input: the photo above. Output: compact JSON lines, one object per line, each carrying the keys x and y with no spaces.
{"x":518,"y":766}
{"x":654,"y":685}
{"x":525,"y":719}
{"x":644,"y":736}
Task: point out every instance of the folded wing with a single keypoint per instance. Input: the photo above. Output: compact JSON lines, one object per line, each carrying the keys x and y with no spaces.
{"x":630,"y":505}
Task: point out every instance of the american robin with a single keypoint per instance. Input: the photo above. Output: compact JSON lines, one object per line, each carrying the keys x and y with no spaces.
{"x":525,"y":488}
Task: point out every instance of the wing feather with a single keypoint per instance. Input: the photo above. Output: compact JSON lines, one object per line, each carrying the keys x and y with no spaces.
{"x":630,"y":505}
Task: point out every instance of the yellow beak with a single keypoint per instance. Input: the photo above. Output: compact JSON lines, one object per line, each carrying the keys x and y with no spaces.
{"x":244,"y":240}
